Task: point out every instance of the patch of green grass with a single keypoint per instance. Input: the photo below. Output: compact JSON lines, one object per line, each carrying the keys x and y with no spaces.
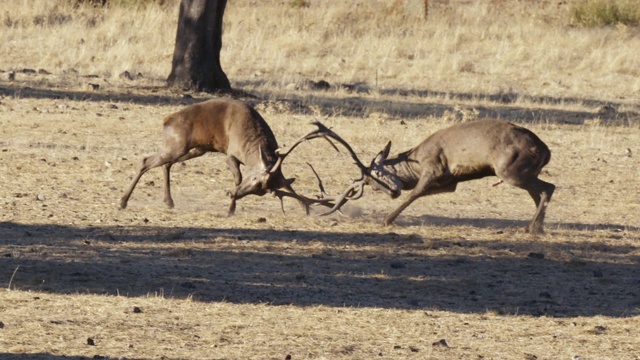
{"x":592,"y":13}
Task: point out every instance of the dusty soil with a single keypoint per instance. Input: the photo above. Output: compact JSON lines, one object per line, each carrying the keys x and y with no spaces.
{"x":455,"y":278}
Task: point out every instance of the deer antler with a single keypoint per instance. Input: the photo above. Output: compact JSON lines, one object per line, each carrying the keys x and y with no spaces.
{"x":353,"y":192}
{"x":283,"y":153}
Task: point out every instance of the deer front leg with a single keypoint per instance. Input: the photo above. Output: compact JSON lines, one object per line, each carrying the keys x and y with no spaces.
{"x":425,"y":186}
{"x":167,"y":186}
{"x":234,"y":165}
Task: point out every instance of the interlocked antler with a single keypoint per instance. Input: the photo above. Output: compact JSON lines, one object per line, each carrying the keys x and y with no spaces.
{"x":321,"y":132}
{"x":283,"y":153}
{"x":355,"y":191}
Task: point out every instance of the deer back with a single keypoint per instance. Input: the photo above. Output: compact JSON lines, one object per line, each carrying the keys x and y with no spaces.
{"x":227,"y":126}
{"x":474,"y":148}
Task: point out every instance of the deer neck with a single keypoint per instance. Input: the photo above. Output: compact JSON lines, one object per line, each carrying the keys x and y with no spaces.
{"x":400,"y":166}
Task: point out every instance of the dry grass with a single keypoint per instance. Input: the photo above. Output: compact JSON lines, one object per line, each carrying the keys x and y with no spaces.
{"x":262,"y":285}
{"x":457,"y":267}
{"x":474,"y":47}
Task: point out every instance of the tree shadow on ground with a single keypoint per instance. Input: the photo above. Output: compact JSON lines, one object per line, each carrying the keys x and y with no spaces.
{"x":45,"y":356}
{"x":310,"y":268}
{"x":394,"y":102}
{"x":409,"y":220}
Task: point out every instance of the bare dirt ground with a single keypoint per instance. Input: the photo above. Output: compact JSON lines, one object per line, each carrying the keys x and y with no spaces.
{"x":456,"y":278}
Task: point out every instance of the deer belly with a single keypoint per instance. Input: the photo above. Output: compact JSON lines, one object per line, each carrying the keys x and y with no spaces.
{"x":470,"y":172}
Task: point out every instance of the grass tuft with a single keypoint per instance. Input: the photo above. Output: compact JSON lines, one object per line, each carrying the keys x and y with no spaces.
{"x":593,"y":13}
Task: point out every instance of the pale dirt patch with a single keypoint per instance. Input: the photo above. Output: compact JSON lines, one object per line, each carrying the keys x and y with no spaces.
{"x":263,"y":285}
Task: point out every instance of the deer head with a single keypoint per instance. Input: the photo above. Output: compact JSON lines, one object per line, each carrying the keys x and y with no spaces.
{"x":381,"y":179}
{"x":262,"y":178}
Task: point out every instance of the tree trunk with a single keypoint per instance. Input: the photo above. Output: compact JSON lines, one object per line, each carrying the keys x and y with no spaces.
{"x":196,"y":57}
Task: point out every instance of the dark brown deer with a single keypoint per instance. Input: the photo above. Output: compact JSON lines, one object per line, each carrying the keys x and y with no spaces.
{"x":459,"y":153}
{"x":233,"y":128}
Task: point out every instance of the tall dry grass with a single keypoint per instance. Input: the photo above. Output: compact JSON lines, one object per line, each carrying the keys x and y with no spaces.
{"x":464,"y":46}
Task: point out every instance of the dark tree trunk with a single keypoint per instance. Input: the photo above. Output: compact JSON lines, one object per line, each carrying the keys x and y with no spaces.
{"x":196,"y":57}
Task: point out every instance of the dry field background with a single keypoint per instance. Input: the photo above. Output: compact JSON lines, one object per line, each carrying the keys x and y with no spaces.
{"x":456,"y":278}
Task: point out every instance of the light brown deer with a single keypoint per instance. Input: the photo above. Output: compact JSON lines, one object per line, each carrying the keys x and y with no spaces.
{"x":459,"y":153}
{"x":233,"y":128}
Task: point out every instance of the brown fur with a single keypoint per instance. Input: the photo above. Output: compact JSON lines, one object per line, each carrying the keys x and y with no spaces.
{"x":226,"y":126}
{"x":465,"y":152}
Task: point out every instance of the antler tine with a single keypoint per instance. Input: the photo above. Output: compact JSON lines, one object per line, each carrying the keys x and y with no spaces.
{"x":322,"y":191}
{"x":328,"y":132}
{"x":354,"y":192}
{"x":283,"y":153}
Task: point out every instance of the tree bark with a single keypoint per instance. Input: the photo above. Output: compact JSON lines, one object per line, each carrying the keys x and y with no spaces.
{"x":196,"y":56}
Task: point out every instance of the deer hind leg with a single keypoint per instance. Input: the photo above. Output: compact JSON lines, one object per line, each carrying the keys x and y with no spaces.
{"x":193,"y":153}
{"x":522,"y":171}
{"x":540,"y":191}
{"x":148,"y":163}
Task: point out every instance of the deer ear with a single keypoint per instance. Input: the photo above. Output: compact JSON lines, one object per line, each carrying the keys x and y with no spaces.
{"x":382,"y":155}
{"x":262,"y":157}
{"x":386,"y":150}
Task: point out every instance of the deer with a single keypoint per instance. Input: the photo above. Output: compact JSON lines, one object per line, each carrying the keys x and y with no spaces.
{"x":235,"y":129}
{"x":462,"y":152}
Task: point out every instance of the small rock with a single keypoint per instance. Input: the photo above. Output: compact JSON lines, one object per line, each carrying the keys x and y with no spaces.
{"x":137,"y":310}
{"x":598,"y":330}
{"x":40,"y":197}
{"x":441,"y":342}
{"x":1,"y":325}
{"x":91,"y":342}
{"x":262,"y":220}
